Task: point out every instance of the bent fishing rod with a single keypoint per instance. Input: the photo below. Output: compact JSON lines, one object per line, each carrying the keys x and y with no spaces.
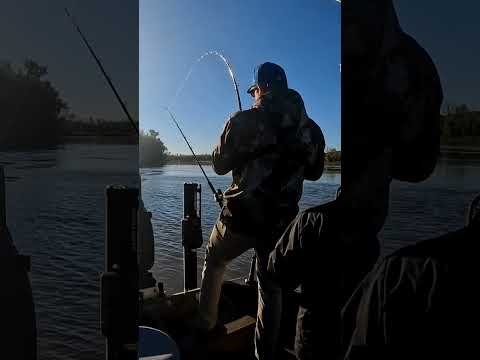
{"x":250,"y":280}
{"x":233,"y":79}
{"x":97,"y":60}
{"x":216,"y":193}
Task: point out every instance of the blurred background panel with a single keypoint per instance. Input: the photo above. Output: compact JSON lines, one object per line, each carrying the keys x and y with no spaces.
{"x":63,"y":139}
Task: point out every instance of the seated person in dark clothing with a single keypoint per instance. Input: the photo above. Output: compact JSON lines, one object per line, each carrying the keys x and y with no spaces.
{"x":391,"y":100}
{"x":17,"y":312}
{"x":419,"y":302}
{"x":315,"y":252}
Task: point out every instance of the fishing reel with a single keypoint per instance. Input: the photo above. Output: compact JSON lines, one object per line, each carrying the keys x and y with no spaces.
{"x":219,"y":197}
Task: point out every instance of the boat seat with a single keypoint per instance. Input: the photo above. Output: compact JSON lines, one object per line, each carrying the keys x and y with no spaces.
{"x":154,"y":344}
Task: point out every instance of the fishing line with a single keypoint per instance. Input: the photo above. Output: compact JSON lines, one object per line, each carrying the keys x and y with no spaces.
{"x":217,"y":193}
{"x":230,"y":72}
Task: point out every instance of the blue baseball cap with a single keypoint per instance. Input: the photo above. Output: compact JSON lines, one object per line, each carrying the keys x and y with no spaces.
{"x":268,"y":75}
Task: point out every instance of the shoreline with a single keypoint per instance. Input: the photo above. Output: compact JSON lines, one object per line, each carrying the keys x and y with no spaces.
{"x":456,"y":151}
{"x":446,"y":151}
{"x":330,"y":167}
{"x":101,"y":139}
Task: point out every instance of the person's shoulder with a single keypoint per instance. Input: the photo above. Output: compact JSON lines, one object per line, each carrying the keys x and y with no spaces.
{"x":314,"y":214}
{"x":315,"y":217}
{"x":420,"y":260}
{"x":316,"y":133}
{"x":239,"y":115}
{"x":243,"y":117}
{"x":294,"y":95}
{"x":444,"y":247}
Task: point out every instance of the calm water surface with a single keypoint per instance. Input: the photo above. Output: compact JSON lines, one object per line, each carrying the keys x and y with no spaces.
{"x":55,"y":212}
{"x":162,"y":191}
{"x":55,"y":203}
{"x":417,"y":211}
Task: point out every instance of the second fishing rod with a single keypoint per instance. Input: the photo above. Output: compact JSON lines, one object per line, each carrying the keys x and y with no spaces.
{"x":216,"y":193}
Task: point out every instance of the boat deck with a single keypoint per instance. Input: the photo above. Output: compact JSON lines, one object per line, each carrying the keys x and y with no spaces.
{"x":237,"y":311}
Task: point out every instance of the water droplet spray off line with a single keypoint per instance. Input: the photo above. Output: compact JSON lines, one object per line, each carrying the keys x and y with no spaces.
{"x":217,"y":194}
{"x":230,"y":72}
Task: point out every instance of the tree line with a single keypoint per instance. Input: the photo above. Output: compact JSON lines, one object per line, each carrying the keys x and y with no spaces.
{"x":154,"y":153}
{"x":34,"y":115}
{"x":32,"y":110}
{"x":460,"y":126}
{"x":96,"y":126}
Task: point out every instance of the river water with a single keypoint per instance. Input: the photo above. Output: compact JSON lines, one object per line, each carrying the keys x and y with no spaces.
{"x":417,"y":211}
{"x":55,"y":213}
{"x":162,"y":191}
{"x":55,"y":203}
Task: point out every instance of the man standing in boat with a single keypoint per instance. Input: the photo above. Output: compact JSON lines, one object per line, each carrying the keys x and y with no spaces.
{"x":270,"y":150}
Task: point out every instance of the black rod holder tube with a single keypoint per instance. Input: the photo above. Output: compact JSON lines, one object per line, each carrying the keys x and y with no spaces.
{"x":191,"y":233}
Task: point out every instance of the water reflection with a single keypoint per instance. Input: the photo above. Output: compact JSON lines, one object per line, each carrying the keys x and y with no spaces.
{"x":162,"y":193}
{"x":417,"y":211}
{"x":433,"y":207}
{"x":55,"y":212}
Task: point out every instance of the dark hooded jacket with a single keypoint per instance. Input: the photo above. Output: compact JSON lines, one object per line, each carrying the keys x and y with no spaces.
{"x":326,"y":251}
{"x":270,"y":149}
{"x":391,"y":97}
{"x":419,"y":303}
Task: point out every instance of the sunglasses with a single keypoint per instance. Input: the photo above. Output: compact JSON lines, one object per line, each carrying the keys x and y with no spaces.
{"x":252,"y":90}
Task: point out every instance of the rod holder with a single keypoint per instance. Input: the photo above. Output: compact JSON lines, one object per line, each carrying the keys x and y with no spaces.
{"x":191,"y":232}
{"x":119,"y":283}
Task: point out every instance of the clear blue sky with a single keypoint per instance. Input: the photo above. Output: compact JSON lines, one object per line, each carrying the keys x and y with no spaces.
{"x":303,"y":37}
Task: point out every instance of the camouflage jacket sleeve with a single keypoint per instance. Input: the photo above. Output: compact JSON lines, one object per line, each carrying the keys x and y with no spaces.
{"x":287,"y":262}
{"x":315,"y":161}
{"x":233,"y":147}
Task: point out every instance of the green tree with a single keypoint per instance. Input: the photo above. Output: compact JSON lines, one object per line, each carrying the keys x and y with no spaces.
{"x":33,"y":112}
{"x":332,"y":155}
{"x":460,"y":125}
{"x":153,"y":152}
{"x":32,"y":70}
